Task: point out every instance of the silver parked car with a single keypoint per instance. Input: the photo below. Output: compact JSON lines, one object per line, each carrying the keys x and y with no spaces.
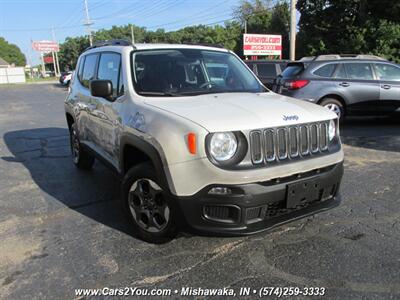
{"x":347,"y":85}
{"x":198,"y":141}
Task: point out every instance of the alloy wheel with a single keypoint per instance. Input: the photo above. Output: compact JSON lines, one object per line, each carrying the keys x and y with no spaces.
{"x":148,"y":205}
{"x":335,"y":108}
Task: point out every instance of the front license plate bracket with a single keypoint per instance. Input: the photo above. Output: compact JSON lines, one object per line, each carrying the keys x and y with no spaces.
{"x":302,"y":192}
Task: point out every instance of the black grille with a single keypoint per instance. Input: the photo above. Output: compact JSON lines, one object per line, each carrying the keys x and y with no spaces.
{"x":222,"y":213}
{"x":282,"y":143}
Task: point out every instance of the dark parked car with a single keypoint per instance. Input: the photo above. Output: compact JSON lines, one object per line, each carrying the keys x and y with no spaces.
{"x":267,"y":70}
{"x":347,"y":85}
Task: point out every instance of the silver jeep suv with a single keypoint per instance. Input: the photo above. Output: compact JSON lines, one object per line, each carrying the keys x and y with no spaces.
{"x":198,"y":141}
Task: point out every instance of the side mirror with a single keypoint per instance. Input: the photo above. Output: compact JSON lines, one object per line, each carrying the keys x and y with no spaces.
{"x":101,"y":88}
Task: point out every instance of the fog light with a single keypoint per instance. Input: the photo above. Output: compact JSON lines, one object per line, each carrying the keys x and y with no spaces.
{"x":220,"y":191}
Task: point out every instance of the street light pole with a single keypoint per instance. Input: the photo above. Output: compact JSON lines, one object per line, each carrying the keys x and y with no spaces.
{"x":293,"y":29}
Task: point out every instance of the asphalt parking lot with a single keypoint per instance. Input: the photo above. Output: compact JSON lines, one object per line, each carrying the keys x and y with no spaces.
{"x":60,"y":228}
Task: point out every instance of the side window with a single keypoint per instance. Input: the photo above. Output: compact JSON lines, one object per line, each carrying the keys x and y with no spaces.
{"x":341,"y":72}
{"x":266,"y":70}
{"x":80,"y":68}
{"x":359,"y":71}
{"x":89,"y":69}
{"x":109,"y":66}
{"x":387,"y":72}
{"x":325,"y":71}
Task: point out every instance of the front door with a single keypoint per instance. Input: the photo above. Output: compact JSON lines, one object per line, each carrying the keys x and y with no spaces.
{"x":356,"y":82}
{"x":389,"y":80}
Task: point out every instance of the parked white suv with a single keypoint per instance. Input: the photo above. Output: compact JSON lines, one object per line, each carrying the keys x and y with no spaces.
{"x":199,"y":142}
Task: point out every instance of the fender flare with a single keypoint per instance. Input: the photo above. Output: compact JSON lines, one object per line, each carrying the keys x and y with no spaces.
{"x":152,"y":149}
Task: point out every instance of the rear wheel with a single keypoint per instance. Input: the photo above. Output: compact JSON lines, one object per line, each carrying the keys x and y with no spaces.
{"x":81,"y":158}
{"x":335,"y":106}
{"x":148,"y":206}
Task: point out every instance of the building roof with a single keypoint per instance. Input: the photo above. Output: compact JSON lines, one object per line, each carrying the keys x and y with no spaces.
{"x":3,"y":62}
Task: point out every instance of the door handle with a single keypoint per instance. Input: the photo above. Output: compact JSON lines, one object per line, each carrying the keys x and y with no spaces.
{"x":344,"y":84}
{"x":385,"y":86}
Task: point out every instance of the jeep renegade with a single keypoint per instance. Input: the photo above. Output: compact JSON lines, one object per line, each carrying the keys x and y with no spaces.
{"x":198,"y":141}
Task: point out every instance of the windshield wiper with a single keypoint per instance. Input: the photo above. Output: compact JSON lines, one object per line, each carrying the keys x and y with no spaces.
{"x":162,"y":94}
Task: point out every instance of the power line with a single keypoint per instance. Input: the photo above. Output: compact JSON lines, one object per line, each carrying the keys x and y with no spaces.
{"x":196,"y":16}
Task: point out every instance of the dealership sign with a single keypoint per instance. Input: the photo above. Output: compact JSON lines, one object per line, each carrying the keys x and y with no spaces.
{"x":45,"y":46}
{"x":262,"y":44}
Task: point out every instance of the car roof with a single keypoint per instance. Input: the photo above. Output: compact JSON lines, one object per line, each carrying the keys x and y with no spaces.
{"x":121,"y":48}
{"x":267,"y":60}
{"x":177,"y":46}
{"x":346,"y":60}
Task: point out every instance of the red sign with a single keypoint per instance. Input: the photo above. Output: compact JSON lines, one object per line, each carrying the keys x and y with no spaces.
{"x":262,"y":44}
{"x":45,"y":46}
{"x":48,"y":59}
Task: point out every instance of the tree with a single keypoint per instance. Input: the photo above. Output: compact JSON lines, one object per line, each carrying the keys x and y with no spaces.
{"x":349,"y":26}
{"x":11,"y":53}
{"x":265,"y":17}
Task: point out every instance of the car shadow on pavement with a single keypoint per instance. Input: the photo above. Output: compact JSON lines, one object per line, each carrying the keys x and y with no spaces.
{"x":45,"y":152}
{"x":377,"y":133}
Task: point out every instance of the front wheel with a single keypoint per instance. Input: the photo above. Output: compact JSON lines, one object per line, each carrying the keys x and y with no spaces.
{"x":335,"y":106}
{"x":151,"y":212}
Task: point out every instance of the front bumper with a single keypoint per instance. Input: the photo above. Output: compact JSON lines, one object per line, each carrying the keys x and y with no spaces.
{"x":256,"y":207}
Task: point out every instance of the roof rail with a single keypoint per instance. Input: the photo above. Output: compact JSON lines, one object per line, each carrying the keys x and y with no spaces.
{"x":116,"y":42}
{"x":307,"y":58}
{"x":341,"y":56}
{"x":203,"y":44}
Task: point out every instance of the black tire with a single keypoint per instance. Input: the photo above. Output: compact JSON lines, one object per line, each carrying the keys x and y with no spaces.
{"x":141,"y":174}
{"x":81,"y":158}
{"x":334,"y":104}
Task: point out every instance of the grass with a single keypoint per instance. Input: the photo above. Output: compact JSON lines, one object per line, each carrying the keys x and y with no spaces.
{"x":29,"y":80}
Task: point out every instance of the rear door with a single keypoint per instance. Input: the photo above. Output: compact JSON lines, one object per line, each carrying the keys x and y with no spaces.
{"x":389,"y":80}
{"x":105,"y":117}
{"x":87,"y":103}
{"x":358,"y":85}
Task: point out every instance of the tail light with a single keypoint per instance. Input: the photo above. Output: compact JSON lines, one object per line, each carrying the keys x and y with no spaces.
{"x":296,"y":84}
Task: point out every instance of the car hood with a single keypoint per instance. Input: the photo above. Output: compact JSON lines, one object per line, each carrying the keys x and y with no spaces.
{"x":242,"y":111}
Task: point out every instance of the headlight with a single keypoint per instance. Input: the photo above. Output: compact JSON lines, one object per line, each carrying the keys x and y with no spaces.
{"x":331,"y":130}
{"x":223,"y":146}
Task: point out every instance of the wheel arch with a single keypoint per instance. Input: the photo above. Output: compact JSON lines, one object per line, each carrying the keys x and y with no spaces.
{"x":334,"y":96}
{"x":70,"y":119}
{"x":135,"y":150}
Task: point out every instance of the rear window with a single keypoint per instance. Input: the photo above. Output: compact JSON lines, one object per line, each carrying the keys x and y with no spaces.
{"x":325,"y":71}
{"x":292,"y":70}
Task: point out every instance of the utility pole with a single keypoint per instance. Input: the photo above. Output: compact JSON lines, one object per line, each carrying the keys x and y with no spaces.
{"x":245,"y":31}
{"x":132,"y":35}
{"x":57,"y":70}
{"x":293,"y":29}
{"x":43,"y":66}
{"x":88,"y":22}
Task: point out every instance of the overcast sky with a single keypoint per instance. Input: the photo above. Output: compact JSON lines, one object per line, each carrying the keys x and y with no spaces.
{"x":23,"y":20}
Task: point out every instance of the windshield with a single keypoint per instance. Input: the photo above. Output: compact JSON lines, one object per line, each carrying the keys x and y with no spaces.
{"x":178,"y":72}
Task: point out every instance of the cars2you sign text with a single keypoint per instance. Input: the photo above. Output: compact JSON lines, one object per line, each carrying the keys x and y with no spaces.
{"x":262,"y":44}
{"x":45,"y":46}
